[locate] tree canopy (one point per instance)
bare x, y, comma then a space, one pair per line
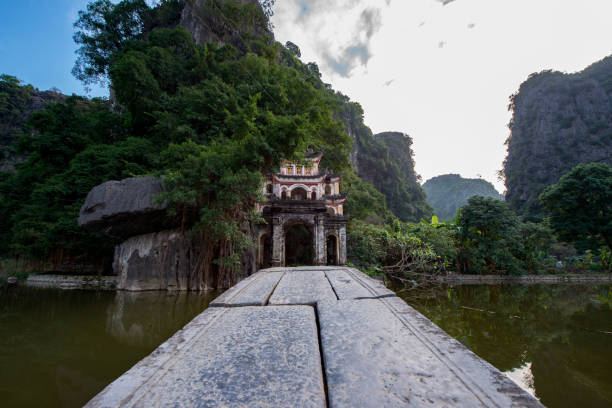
580, 205
489, 238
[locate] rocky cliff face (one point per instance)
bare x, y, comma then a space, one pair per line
386, 161
224, 21
559, 120
449, 192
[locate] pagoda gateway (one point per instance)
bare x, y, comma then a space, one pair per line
303, 210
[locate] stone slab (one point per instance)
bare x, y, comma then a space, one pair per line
256, 293
302, 288
246, 357
227, 296
375, 287
373, 359
475, 371
345, 286
125, 390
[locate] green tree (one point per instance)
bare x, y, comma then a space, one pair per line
489, 238
104, 28
580, 206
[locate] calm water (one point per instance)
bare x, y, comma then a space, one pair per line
555, 340
60, 348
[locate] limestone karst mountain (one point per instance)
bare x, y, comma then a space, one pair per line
559, 120
449, 192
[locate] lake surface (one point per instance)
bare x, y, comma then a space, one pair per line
60, 348
554, 340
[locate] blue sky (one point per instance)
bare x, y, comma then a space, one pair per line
36, 43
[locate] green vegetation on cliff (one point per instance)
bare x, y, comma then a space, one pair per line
558, 121
17, 103
209, 117
386, 161
447, 193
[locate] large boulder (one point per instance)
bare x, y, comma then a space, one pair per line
125, 208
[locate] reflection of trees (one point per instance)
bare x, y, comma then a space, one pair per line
556, 327
66, 345
149, 318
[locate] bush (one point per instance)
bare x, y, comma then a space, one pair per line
382, 249
441, 238
489, 238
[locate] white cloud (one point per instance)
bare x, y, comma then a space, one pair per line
452, 101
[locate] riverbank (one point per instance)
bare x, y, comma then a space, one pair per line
93, 282
86, 282
524, 279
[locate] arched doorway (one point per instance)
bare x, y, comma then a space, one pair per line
332, 249
299, 248
265, 251
299, 194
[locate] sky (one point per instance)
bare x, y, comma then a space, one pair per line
441, 71
36, 43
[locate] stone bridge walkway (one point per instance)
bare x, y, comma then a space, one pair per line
312, 337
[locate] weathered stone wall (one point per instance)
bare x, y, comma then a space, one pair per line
163, 260
168, 260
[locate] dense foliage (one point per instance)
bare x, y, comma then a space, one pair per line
558, 121
17, 102
488, 237
449, 192
580, 206
378, 249
492, 240
74, 146
104, 28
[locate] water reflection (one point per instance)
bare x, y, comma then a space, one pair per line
555, 339
142, 318
59, 348
523, 377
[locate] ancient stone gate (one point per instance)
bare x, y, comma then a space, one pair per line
301, 196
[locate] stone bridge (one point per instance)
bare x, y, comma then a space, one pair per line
312, 337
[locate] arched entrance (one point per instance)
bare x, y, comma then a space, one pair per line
265, 251
299, 194
332, 249
299, 248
